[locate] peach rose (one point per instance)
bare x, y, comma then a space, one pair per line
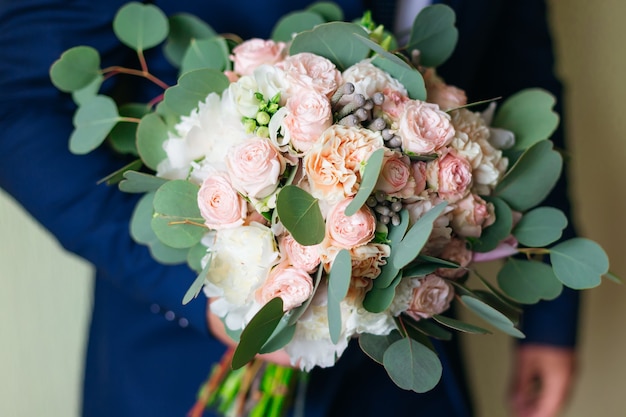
333, 165
349, 231
367, 259
424, 128
255, 52
309, 114
255, 167
220, 205
455, 251
444, 95
470, 215
449, 175
432, 296
307, 70
396, 177
302, 257
294, 286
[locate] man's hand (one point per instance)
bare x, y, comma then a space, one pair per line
216, 327
542, 379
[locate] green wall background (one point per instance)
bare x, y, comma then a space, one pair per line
45, 292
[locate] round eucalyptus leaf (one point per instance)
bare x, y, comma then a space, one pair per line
323, 41
151, 133
140, 26
293, 23
328, 10
434, 35
410, 78
375, 346
124, 134
300, 213
206, 53
194, 87
77, 68
93, 121
528, 281
140, 182
184, 28
86, 93
579, 263
540, 227
412, 366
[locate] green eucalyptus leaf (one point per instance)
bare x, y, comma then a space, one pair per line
195, 254
388, 271
503, 302
323, 41
412, 366
206, 53
459, 325
540, 227
428, 328
293, 23
434, 35
491, 236
378, 300
396, 233
370, 176
151, 133
375, 346
196, 285
528, 281
529, 115
409, 77
512, 312
387, 275
140, 26
532, 177
416, 237
328, 10
257, 332
194, 87
140, 182
184, 28
579, 263
300, 213
76, 69
338, 285
177, 221
123, 137
93, 121
282, 335
118, 175
86, 93
141, 231
491, 316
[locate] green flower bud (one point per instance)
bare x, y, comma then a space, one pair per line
263, 118
249, 125
263, 132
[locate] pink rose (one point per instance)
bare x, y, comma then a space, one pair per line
418, 169
438, 92
309, 114
455, 251
255, 167
395, 177
394, 103
220, 205
333, 165
424, 128
450, 175
470, 215
302, 257
255, 52
349, 231
294, 286
232, 76
307, 70
432, 296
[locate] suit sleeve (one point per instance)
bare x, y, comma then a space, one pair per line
60, 189
513, 50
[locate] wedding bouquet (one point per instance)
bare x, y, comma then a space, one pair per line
327, 184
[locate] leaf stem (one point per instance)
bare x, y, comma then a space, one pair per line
534, 251
129, 119
187, 221
114, 70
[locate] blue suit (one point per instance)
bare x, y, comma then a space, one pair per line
147, 352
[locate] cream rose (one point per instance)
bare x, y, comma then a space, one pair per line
293, 285
242, 93
254, 52
449, 175
432, 296
369, 79
349, 231
309, 114
424, 128
220, 205
471, 215
307, 70
302, 257
368, 259
255, 167
333, 165
455, 251
396, 177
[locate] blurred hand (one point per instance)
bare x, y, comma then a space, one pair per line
216, 327
542, 379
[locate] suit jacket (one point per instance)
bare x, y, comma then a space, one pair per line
148, 353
